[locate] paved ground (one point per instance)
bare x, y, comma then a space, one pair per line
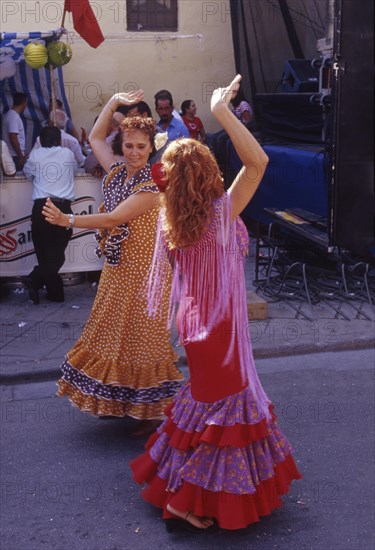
66, 483
65, 477
34, 339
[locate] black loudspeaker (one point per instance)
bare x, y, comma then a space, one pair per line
289, 118
352, 146
300, 77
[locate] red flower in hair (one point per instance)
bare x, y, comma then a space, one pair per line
158, 176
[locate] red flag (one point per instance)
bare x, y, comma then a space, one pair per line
84, 21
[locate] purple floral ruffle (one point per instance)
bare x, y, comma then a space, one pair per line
225, 469
190, 415
237, 470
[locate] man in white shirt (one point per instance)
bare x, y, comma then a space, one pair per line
66, 139
51, 168
14, 131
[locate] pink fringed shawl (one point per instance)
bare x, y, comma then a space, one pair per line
209, 286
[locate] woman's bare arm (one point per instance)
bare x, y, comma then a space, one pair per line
253, 157
127, 210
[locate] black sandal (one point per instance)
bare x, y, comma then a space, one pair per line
177, 524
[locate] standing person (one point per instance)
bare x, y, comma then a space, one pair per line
168, 122
167, 93
14, 131
51, 169
123, 363
192, 122
220, 455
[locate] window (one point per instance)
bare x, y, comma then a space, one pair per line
151, 15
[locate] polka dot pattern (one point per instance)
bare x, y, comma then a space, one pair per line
123, 364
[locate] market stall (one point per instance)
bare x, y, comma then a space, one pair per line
17, 257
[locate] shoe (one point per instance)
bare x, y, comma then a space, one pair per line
145, 427
177, 524
33, 293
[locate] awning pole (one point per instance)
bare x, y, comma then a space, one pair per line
53, 95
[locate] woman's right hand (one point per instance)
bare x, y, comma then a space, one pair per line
222, 96
125, 98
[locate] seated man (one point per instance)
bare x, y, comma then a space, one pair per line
66, 139
69, 127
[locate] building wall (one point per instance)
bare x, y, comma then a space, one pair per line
190, 63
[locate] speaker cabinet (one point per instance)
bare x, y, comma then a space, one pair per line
352, 143
300, 77
289, 118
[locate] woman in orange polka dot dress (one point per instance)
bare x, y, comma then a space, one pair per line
123, 364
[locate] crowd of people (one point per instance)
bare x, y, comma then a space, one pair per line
182, 123
216, 454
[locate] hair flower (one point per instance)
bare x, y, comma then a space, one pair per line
158, 176
160, 140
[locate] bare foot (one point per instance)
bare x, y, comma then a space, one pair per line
199, 522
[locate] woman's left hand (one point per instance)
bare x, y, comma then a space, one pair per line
53, 215
222, 96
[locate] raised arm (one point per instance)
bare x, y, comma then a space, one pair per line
253, 157
100, 148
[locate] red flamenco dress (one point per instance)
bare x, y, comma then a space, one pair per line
220, 452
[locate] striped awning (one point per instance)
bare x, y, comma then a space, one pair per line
36, 83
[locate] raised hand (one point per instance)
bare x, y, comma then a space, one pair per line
126, 98
222, 96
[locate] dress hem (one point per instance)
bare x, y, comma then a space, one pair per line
231, 511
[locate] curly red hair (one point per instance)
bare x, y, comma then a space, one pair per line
131, 124
193, 182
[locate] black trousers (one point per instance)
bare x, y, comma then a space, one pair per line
50, 242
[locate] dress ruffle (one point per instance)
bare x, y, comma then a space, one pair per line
103, 407
217, 459
164, 389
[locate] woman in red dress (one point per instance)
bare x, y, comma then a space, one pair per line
220, 455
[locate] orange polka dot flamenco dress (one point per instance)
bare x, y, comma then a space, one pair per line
123, 364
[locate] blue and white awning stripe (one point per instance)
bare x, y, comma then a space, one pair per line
35, 83
13, 43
